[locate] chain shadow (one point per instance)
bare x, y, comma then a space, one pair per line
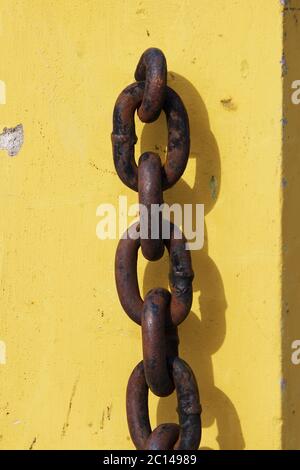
202, 333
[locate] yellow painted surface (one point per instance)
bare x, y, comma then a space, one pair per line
69, 346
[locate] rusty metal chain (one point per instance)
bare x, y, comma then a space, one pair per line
159, 314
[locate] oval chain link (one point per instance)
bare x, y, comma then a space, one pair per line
159, 314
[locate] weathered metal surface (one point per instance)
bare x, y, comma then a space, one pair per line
124, 137
155, 336
164, 437
150, 198
189, 408
152, 68
180, 276
137, 407
189, 411
162, 311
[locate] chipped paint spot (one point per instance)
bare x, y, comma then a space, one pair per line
229, 104
12, 140
284, 182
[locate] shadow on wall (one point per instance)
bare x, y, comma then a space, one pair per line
200, 335
290, 230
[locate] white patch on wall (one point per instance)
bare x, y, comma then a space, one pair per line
12, 139
2, 92
2, 352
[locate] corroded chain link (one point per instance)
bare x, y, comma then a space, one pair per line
161, 311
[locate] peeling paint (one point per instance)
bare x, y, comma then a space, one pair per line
12, 139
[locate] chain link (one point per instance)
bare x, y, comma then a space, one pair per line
159, 314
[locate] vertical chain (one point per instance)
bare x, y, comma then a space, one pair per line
162, 370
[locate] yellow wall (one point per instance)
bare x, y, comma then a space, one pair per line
70, 347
